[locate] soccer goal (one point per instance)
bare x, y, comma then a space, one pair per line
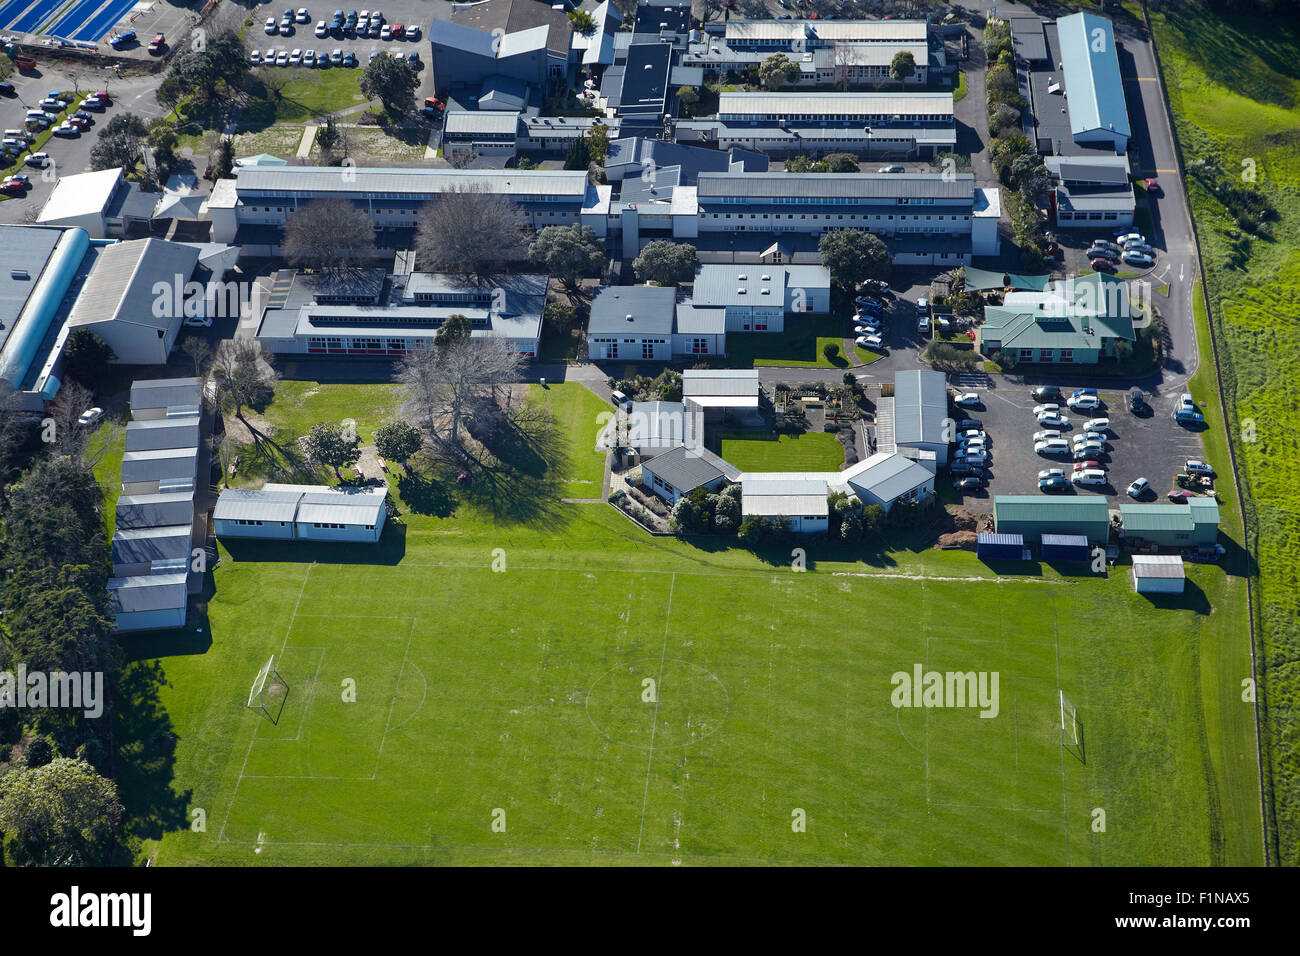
1071, 728
269, 692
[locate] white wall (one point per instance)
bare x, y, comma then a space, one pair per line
279, 530
359, 533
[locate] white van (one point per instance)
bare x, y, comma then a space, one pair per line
621, 400
1097, 425
1089, 476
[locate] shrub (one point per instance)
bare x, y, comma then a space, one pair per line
831, 351
39, 752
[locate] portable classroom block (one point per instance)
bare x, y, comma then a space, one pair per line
1158, 574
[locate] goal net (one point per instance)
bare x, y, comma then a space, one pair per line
268, 692
1071, 727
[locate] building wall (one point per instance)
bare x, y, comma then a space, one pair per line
1116, 141
1097, 532
150, 620
227, 528
750, 318
307, 531
665, 490
699, 344
630, 348
1156, 585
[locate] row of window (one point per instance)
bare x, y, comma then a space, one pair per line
1084, 217
872, 118
336, 526
818, 201
753, 216
1046, 355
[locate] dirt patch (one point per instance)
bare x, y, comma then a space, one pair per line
238, 431
964, 540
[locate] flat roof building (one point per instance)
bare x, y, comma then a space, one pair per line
302, 512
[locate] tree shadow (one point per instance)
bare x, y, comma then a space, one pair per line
426, 496
145, 754
519, 474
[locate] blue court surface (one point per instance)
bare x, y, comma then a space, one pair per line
86, 20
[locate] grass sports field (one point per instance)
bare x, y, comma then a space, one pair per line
1234, 85
474, 691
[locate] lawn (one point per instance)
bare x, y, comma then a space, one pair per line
799, 345
498, 660
1234, 85
959, 87
811, 451
299, 404
307, 94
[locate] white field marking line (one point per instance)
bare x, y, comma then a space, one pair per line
393, 703
363, 617
927, 726
1065, 806
939, 577
976, 806
1003, 398
654, 726
221, 835
423, 697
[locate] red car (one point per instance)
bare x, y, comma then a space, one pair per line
1080, 465
79, 121
433, 103
157, 43
11, 188
399, 30
1153, 187
104, 97
1103, 265
1179, 497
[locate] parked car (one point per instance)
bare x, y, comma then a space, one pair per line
1052, 446
1153, 187
1084, 391
413, 60
255, 57
282, 58
308, 57
1106, 244
1089, 436
321, 29
399, 31
968, 400
90, 416
1102, 252
11, 187
1138, 259
336, 57
869, 300
1100, 425
271, 28
295, 57
1046, 407
1053, 420
922, 324
1138, 488
1081, 464
1185, 400
1195, 466
1102, 265
156, 44
970, 424
1188, 416
874, 342
972, 433
39, 160
303, 15
1135, 400
67, 131
1051, 473
969, 483
892, 168
385, 32
876, 287
413, 32
866, 329
53, 105
1044, 393
1045, 434
1089, 476
122, 39
1125, 238
1180, 497
1088, 451
1056, 483
923, 306
621, 400
21, 178
349, 59
1083, 403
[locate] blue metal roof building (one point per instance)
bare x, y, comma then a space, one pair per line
1094, 87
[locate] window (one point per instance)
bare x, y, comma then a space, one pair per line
647, 350
611, 350
1067, 355
366, 343
1026, 355
699, 346
1044, 355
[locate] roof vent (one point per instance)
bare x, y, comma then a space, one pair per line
766, 278
740, 291
19, 274
742, 276
765, 292
628, 316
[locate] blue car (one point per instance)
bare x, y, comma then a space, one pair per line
1084, 391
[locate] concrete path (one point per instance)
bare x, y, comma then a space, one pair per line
308, 140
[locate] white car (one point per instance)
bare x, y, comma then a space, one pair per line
309, 58
1053, 420
40, 160
282, 58
866, 329
892, 168
413, 32
90, 416
1089, 476
1082, 403
1138, 488
1089, 449
295, 57
1138, 259
1125, 239
1052, 446
967, 400
1046, 433
303, 15
1097, 425
198, 321
363, 16
1097, 437
321, 29
385, 32
1185, 400
922, 306
271, 28
866, 318
268, 58
1197, 467
870, 342
1044, 409
255, 56
973, 433
1051, 473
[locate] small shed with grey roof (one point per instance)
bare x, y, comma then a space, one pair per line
151, 398
150, 472
920, 411
137, 551
148, 602
302, 512
163, 433
1158, 574
156, 510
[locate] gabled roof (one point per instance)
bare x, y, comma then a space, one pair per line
1093, 84
1158, 566
1043, 509
920, 407
120, 287
685, 470
147, 592
644, 309
81, 194
166, 392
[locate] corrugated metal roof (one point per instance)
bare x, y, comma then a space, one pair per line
761, 486
886, 477
797, 103
120, 287
1041, 508
920, 407
289, 181
988, 537
149, 592
844, 31
836, 186
249, 504
684, 470
1158, 566
1093, 83
149, 511
651, 307
481, 121
784, 506
140, 545
741, 383
158, 464
1066, 540
168, 432
166, 392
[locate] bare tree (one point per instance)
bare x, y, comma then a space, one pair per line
328, 234
467, 381
70, 437
471, 231
244, 377
199, 351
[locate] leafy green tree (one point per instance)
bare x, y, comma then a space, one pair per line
455, 329
582, 21
569, 253
665, 263
778, 71
853, 255
598, 143
61, 814
398, 441
329, 443
39, 752
86, 357
726, 516
842, 163
831, 351
392, 81
903, 67
579, 154
689, 98
223, 163
558, 315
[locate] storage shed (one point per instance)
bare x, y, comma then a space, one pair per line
1036, 515
1158, 574
163, 433
154, 511
1066, 547
1001, 547
148, 602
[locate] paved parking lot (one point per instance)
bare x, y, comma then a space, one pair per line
1150, 445
304, 37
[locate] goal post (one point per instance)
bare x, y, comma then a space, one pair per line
268, 692
1071, 727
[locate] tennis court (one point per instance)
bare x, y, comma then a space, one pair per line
85, 20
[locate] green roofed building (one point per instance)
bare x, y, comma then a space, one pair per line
1035, 515
1076, 322
1194, 524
